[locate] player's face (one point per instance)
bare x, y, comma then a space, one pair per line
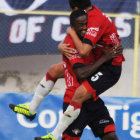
81, 25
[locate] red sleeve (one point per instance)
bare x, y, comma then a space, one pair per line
76, 58
94, 29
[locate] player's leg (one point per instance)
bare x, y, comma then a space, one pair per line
83, 93
45, 86
73, 132
103, 79
110, 136
72, 112
96, 84
91, 114
96, 115
102, 124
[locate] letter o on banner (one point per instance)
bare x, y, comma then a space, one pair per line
51, 117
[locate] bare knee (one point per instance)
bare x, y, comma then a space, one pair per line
56, 70
81, 94
110, 136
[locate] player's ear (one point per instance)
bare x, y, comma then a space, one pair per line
75, 8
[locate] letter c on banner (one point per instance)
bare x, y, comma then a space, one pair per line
23, 121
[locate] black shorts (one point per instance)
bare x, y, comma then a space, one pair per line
93, 114
104, 78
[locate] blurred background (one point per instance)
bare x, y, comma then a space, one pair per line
30, 31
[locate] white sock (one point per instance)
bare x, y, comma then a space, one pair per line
67, 118
41, 91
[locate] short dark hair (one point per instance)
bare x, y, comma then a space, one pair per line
81, 4
75, 14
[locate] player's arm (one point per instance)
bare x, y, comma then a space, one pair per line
65, 49
82, 48
85, 71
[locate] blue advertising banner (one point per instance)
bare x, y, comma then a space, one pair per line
125, 112
41, 34
31, 34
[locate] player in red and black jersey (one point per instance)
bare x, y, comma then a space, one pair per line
87, 115
100, 30
95, 105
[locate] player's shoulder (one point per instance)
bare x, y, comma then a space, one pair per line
68, 37
95, 17
96, 13
68, 40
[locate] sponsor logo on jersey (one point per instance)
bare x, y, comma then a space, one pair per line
92, 31
64, 64
75, 55
114, 39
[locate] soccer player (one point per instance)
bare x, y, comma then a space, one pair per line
72, 66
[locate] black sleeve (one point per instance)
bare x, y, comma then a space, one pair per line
87, 41
78, 65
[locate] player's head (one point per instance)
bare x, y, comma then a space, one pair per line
81, 4
78, 21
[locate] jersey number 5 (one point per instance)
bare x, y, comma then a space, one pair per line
96, 77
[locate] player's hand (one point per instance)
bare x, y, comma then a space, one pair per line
117, 50
113, 52
66, 50
70, 30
